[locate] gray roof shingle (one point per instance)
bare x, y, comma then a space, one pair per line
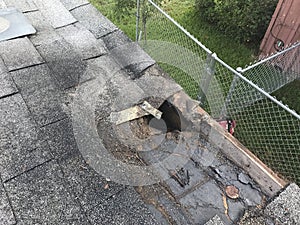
64, 62
55, 12
72, 4
40, 197
19, 53
16, 161
17, 121
286, 207
22, 5
39, 93
83, 41
38, 21
6, 213
93, 20
7, 86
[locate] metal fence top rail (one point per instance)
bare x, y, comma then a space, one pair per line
297, 44
237, 73
181, 27
258, 88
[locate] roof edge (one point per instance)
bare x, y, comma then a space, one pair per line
268, 180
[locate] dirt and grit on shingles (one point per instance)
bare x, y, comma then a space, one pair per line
35, 188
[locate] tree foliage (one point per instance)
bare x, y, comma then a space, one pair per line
245, 20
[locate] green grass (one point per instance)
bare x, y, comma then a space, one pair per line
183, 11
290, 95
233, 53
189, 85
273, 135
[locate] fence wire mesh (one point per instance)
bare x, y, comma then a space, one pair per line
267, 129
264, 125
275, 71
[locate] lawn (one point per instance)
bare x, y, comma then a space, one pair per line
183, 11
273, 135
233, 53
290, 95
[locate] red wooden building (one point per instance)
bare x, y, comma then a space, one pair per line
283, 28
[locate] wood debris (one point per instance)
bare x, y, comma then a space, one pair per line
106, 186
225, 206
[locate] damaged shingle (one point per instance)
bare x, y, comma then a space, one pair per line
187, 179
122, 208
164, 87
132, 58
116, 39
207, 201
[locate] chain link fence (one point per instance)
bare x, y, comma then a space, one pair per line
275, 71
265, 125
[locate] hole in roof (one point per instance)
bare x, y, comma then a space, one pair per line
171, 116
143, 135
171, 121
4, 24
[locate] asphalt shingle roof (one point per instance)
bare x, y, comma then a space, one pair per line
45, 178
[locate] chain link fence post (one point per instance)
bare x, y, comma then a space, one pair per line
234, 83
138, 6
208, 73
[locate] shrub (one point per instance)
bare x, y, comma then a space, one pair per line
245, 20
123, 8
